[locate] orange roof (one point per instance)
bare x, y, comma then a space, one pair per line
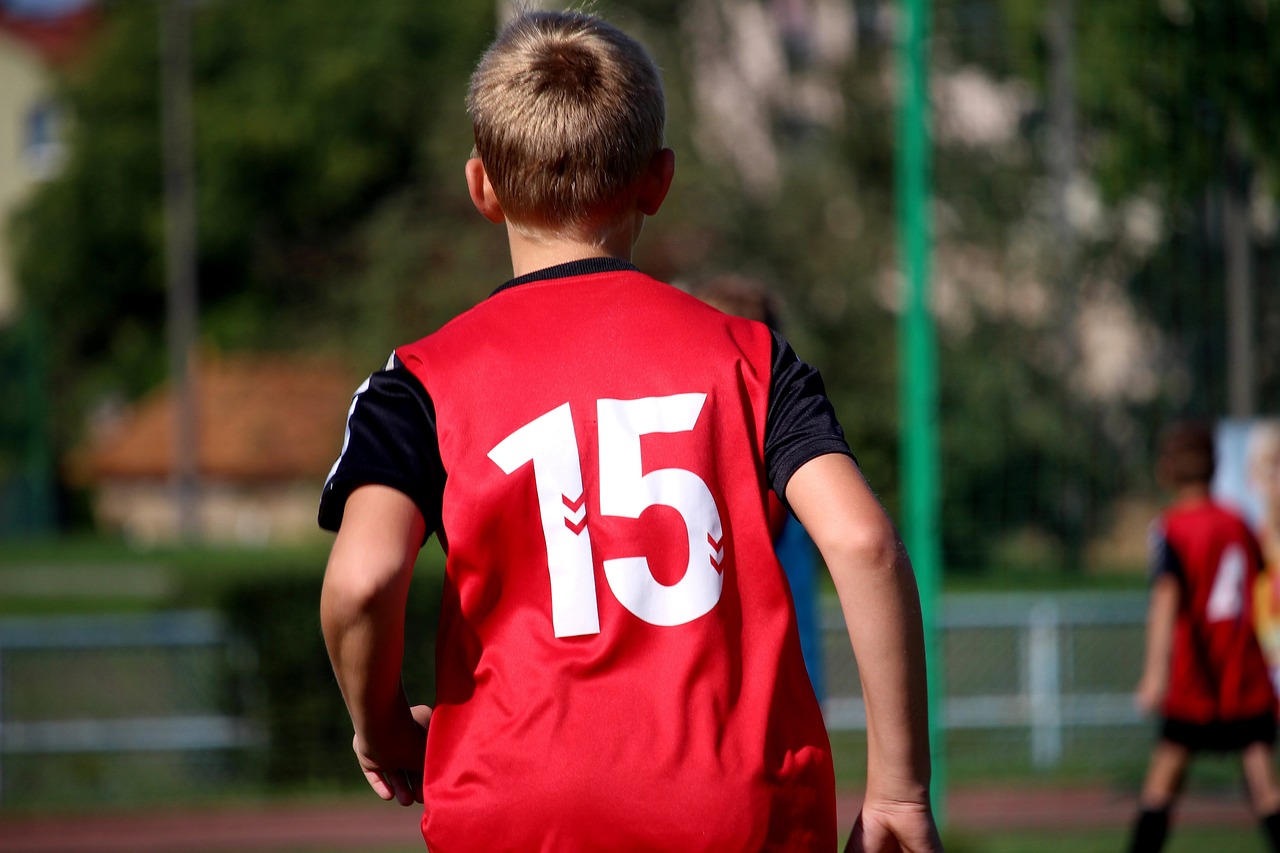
57, 39
260, 418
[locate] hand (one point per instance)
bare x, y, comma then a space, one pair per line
394, 769
1149, 694
894, 828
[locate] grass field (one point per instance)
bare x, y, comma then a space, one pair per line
1188, 840
97, 574
102, 575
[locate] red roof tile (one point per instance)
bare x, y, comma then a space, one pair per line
260, 418
57, 40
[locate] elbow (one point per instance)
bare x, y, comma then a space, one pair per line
354, 590
874, 547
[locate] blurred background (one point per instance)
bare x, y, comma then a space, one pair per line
220, 215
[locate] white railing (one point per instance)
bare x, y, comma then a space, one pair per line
1042, 682
180, 732
1043, 663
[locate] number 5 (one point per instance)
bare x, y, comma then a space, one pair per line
627, 492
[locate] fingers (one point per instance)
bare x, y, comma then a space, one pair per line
406, 793
378, 784
404, 785
421, 714
398, 785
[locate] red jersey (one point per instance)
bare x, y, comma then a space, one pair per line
618, 664
1217, 671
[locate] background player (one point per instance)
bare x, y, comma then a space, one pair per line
617, 664
1204, 671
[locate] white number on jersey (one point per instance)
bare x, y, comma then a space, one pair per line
551, 444
1226, 597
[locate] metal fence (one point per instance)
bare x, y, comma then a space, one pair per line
84, 691
1038, 681
1031, 677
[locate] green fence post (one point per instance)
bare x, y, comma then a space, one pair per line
917, 361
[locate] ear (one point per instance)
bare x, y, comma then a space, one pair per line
482, 194
656, 182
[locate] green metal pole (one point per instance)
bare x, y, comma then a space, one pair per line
917, 361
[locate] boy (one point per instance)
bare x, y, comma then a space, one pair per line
618, 666
1204, 671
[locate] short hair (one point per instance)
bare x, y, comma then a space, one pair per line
1187, 454
568, 112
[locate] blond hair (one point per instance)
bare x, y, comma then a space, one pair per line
568, 113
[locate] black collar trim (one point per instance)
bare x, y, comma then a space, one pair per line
586, 266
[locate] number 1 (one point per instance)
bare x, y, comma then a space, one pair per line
551, 444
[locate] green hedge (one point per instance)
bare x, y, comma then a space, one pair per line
296, 700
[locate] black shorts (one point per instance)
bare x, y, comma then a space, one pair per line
1220, 735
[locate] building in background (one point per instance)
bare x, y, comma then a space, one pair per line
35, 39
268, 436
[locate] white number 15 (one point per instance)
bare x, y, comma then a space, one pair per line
551, 444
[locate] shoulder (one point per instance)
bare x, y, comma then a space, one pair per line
1230, 520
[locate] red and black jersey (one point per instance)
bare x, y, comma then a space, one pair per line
1217, 671
618, 665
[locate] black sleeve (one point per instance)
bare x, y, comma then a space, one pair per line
390, 441
800, 424
1162, 559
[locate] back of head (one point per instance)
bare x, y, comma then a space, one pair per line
568, 112
1187, 455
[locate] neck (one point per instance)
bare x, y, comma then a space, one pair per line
1191, 493
533, 252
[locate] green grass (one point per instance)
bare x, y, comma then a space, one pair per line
91, 574
1181, 840
98, 574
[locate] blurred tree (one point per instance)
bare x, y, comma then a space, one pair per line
1029, 451
1020, 448
322, 130
1182, 135
330, 140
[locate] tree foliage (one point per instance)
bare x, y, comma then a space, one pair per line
330, 139
1177, 107
319, 128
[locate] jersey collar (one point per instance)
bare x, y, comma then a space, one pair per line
586, 266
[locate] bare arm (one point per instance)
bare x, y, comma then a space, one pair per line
877, 591
1162, 612
366, 585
